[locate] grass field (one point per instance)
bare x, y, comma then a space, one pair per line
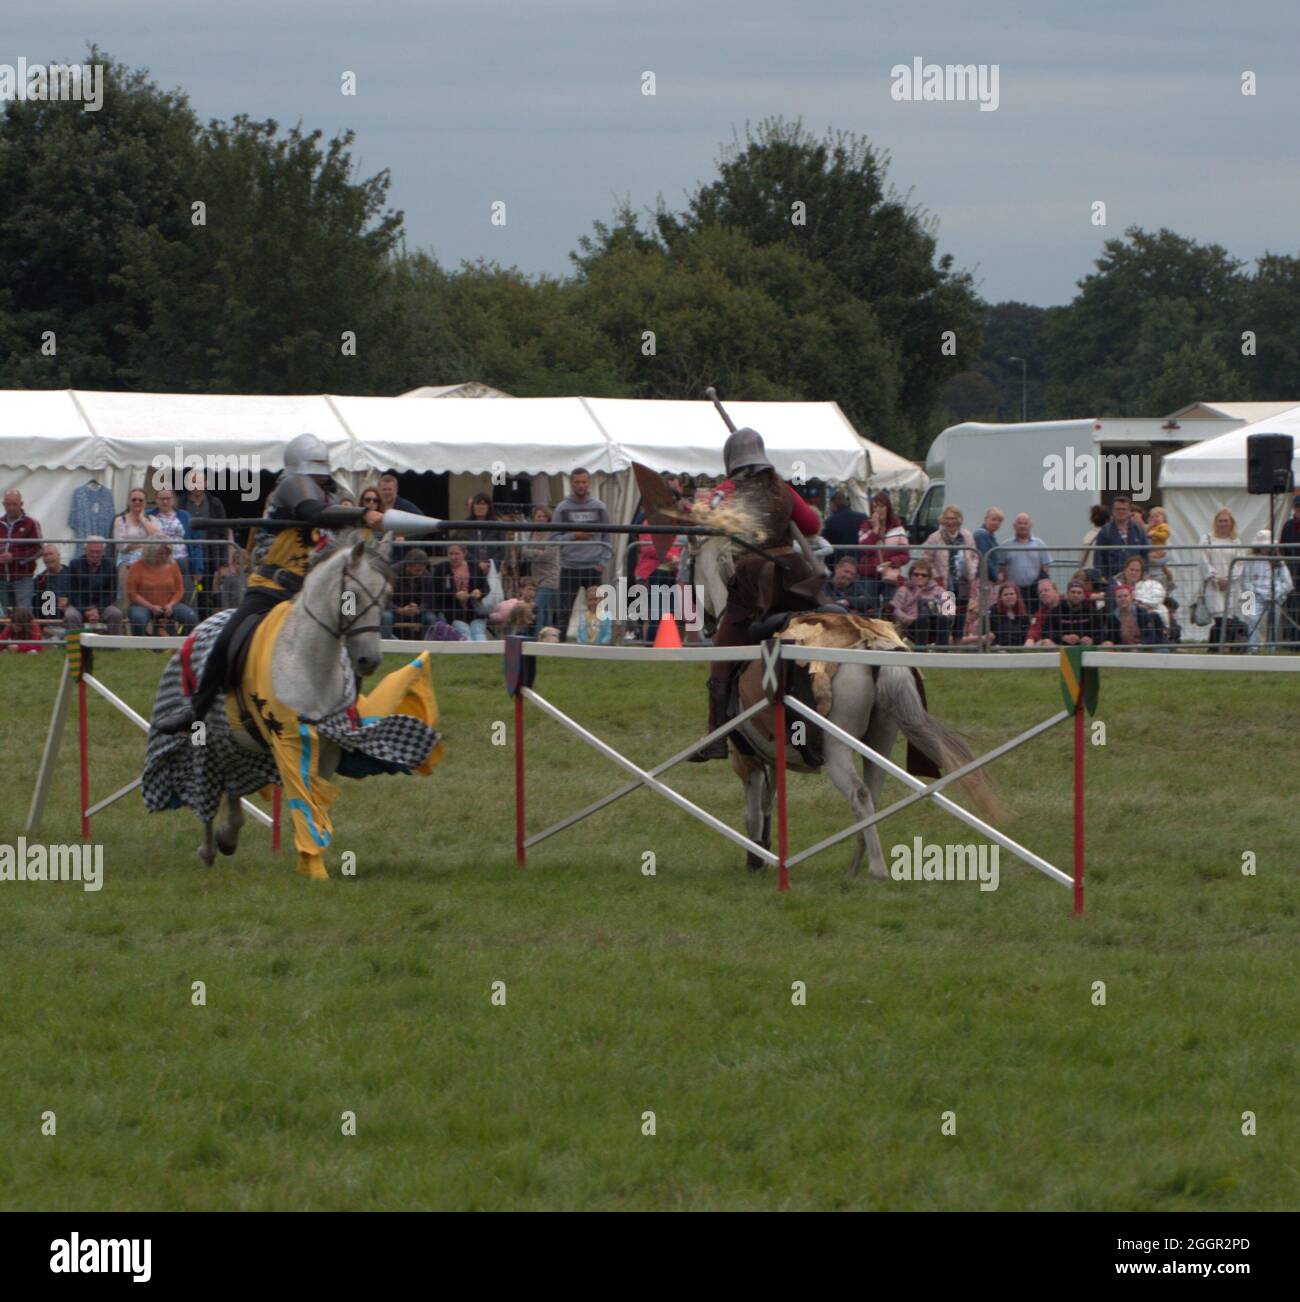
671, 993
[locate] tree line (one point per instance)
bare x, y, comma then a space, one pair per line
141, 249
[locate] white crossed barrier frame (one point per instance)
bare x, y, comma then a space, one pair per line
774, 655
74, 674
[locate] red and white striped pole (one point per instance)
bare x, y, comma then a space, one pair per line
1078, 807
520, 853
782, 843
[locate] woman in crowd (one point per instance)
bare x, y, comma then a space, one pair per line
544, 568
370, 500
1008, 620
459, 590
1220, 579
155, 590
132, 526
882, 564
956, 566
23, 634
174, 524
1134, 571
480, 508
918, 607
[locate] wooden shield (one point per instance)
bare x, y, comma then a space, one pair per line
659, 506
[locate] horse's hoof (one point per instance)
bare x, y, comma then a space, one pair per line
206, 855
227, 846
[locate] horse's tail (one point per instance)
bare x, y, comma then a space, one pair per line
897, 691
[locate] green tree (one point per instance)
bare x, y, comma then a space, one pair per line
293, 253
525, 335
75, 188
1192, 372
828, 199
970, 395
1272, 312
761, 323
1014, 330
100, 244
1097, 364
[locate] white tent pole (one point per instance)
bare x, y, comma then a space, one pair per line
348, 433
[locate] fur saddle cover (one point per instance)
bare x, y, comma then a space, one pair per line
392, 729
823, 629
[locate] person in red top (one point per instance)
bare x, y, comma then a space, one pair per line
23, 633
656, 576
17, 559
781, 580
882, 565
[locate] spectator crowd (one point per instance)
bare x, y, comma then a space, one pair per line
985, 588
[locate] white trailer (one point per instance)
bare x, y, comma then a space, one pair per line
1053, 470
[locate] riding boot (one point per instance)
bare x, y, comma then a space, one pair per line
719, 690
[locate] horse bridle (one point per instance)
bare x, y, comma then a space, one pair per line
351, 629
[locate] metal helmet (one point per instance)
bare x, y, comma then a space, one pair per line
307, 455
744, 450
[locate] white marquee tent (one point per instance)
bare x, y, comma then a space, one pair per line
52, 441
1197, 481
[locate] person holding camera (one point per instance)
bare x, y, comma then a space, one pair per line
921, 608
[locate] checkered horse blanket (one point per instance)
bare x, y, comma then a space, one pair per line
389, 730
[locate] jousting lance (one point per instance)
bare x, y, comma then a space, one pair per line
408, 523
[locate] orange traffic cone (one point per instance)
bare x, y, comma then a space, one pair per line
667, 634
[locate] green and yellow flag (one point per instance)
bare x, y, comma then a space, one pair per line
1078, 685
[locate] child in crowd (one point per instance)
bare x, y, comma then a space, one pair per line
594, 624
23, 635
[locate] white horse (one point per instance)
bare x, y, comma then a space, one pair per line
340, 605
873, 707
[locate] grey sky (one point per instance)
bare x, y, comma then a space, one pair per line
539, 104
